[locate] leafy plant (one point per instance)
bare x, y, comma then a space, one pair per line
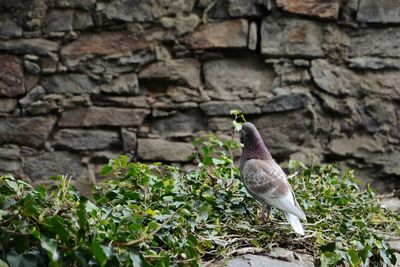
160, 215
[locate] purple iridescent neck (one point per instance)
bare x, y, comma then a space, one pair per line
254, 147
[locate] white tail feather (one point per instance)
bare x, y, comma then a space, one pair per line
295, 223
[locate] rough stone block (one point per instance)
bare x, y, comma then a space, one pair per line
182, 71
68, 84
179, 124
162, 150
129, 140
77, 139
285, 103
26, 131
291, 37
58, 21
29, 46
8, 105
226, 34
214, 108
40, 167
319, 8
126, 84
82, 4
11, 76
121, 101
238, 78
8, 28
99, 116
379, 11
239, 8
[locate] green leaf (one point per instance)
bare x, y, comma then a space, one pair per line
353, 258
50, 246
135, 258
106, 170
3, 264
99, 253
236, 112
15, 259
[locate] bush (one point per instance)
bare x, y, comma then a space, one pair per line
160, 215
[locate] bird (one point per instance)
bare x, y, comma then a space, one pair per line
265, 180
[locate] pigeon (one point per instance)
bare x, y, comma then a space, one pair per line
264, 179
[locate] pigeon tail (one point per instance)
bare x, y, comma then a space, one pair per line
295, 223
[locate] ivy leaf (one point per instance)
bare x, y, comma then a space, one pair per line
106, 170
99, 253
51, 247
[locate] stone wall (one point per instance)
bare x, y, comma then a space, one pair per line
85, 80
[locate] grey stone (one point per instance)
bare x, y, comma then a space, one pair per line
385, 84
392, 204
253, 38
374, 63
288, 73
182, 24
74, 101
126, 84
134, 10
239, 8
82, 4
248, 260
77, 139
122, 101
29, 46
179, 124
8, 28
40, 167
285, 103
11, 76
8, 105
216, 124
129, 139
284, 132
282, 254
291, 37
375, 42
41, 107
379, 11
26, 131
35, 94
182, 71
226, 34
10, 152
10, 159
238, 78
357, 146
162, 150
334, 79
99, 116
31, 67
214, 108
337, 105
68, 83
82, 20
58, 21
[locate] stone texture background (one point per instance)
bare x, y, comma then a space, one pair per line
85, 80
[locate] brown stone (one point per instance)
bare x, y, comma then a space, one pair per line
162, 150
291, 37
226, 34
104, 43
99, 116
319, 8
26, 131
182, 71
11, 76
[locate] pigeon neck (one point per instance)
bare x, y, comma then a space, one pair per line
254, 147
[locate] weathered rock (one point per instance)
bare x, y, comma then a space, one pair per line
378, 11
216, 124
334, 79
82, 20
374, 63
99, 116
11, 76
253, 36
285, 103
239, 8
68, 84
121, 101
248, 260
282, 254
8, 105
157, 149
289, 73
86, 139
375, 42
126, 84
82, 4
392, 204
31, 67
129, 139
8, 28
236, 78
385, 84
291, 37
104, 43
10, 160
35, 94
134, 10
284, 132
29, 46
319, 8
337, 105
58, 21
26, 131
40, 167
182, 71
213, 108
226, 34
181, 24
42, 107
184, 94
179, 124
357, 146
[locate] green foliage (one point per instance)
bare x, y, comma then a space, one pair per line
160, 215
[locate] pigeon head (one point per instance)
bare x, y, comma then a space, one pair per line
254, 147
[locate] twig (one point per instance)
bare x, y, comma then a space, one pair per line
151, 234
242, 251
